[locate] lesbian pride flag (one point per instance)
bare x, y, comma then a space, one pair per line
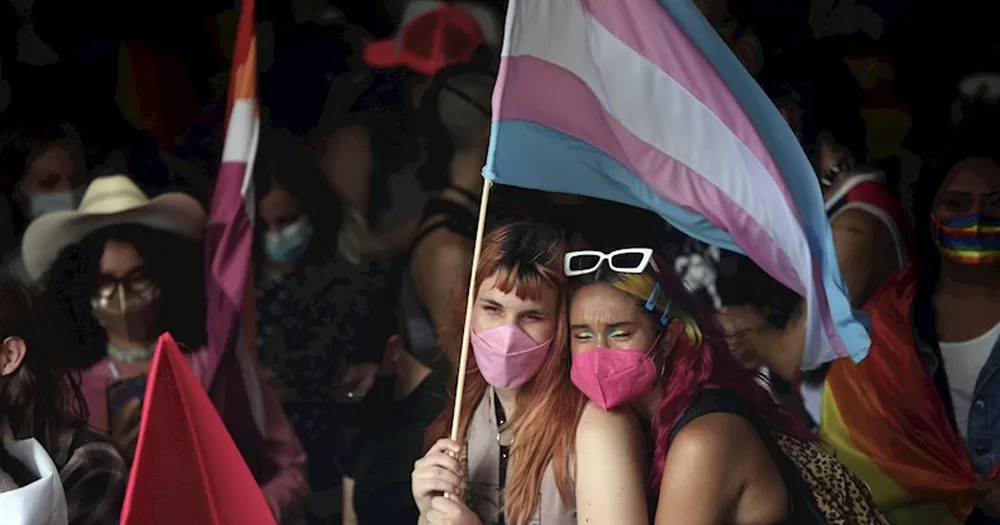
641, 102
229, 234
235, 388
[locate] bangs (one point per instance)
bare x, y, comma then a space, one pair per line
525, 281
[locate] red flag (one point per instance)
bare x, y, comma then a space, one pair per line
187, 470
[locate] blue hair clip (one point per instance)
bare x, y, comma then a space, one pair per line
666, 312
651, 301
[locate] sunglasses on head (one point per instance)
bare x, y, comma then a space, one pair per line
625, 260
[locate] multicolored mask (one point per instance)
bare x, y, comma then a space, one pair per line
970, 239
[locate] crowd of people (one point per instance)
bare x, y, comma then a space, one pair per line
618, 371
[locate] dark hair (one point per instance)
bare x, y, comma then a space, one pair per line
978, 140
42, 397
174, 262
457, 105
283, 160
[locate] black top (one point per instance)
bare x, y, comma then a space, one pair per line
385, 450
803, 506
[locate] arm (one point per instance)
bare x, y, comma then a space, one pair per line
94, 481
347, 165
286, 492
708, 472
436, 271
610, 473
395, 239
349, 518
860, 239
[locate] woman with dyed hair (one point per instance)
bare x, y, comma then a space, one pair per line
640, 339
531, 450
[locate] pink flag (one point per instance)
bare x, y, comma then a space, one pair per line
187, 470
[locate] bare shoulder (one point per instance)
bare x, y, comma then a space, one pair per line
858, 221
714, 442
599, 428
353, 133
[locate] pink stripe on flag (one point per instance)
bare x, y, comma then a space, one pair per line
591, 123
228, 242
648, 29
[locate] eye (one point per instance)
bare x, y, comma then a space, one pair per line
583, 336
491, 308
534, 317
620, 334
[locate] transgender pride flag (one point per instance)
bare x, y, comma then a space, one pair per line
641, 102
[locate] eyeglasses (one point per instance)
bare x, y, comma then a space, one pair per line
625, 260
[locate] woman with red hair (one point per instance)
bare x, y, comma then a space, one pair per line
640, 339
531, 449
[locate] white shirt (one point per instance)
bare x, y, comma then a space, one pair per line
962, 363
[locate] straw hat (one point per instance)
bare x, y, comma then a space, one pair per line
108, 201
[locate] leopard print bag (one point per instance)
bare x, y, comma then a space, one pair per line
840, 496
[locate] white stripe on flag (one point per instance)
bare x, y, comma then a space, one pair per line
644, 99
241, 145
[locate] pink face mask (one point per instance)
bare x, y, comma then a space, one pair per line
610, 377
507, 357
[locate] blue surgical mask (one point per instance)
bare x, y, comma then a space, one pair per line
44, 203
290, 243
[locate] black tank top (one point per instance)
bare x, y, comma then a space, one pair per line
801, 501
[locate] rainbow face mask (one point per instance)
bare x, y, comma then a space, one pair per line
970, 239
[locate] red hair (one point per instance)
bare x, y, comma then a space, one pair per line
524, 258
699, 360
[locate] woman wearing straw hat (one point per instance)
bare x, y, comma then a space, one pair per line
118, 272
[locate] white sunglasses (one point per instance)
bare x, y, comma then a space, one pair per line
625, 260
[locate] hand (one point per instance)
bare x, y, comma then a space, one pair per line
437, 473
988, 497
448, 510
356, 382
125, 428
737, 322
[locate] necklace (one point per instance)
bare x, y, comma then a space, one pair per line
131, 355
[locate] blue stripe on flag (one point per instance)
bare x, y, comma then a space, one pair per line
521, 150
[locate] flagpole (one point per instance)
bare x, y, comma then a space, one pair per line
463, 359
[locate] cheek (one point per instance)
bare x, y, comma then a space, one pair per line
482, 320
539, 332
578, 347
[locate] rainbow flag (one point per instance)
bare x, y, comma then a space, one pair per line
886, 421
641, 102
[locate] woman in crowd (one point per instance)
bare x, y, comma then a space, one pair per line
917, 418
531, 449
318, 313
118, 272
46, 167
40, 399
640, 339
